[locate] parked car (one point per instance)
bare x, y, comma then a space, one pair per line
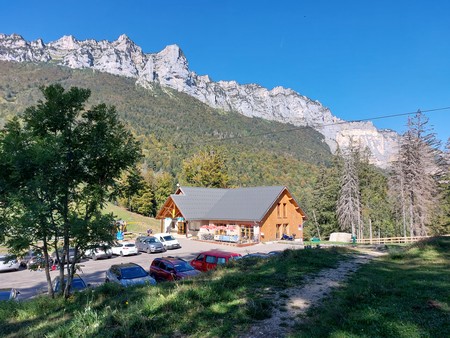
124, 249
9, 263
149, 244
209, 260
78, 284
171, 268
128, 274
38, 261
8, 294
34, 259
25, 258
102, 251
275, 253
168, 240
72, 257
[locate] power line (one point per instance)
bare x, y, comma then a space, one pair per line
324, 125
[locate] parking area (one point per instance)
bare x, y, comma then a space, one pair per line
31, 283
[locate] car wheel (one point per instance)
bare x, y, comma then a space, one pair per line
94, 257
121, 253
109, 256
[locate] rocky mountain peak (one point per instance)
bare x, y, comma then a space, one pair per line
67, 42
169, 68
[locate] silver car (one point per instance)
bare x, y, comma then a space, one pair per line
102, 251
9, 263
149, 244
128, 274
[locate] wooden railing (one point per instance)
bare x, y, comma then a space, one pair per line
385, 240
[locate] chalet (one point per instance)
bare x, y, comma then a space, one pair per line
241, 215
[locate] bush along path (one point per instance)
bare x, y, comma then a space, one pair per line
292, 303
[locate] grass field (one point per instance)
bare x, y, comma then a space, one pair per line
135, 222
218, 304
407, 294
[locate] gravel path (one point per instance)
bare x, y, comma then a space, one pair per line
300, 299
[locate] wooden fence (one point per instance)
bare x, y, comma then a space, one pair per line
385, 240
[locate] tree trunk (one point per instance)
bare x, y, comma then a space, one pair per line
47, 269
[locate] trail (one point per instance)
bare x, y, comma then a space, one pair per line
315, 288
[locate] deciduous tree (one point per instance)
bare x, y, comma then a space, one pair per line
57, 165
205, 169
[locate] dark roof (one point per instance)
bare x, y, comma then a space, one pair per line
239, 204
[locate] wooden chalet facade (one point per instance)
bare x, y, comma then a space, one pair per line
240, 215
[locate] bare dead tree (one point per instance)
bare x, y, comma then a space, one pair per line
414, 175
349, 204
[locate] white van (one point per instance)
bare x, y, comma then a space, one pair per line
168, 240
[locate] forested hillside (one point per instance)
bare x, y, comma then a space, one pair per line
173, 126
185, 141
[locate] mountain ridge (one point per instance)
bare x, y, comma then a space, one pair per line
169, 68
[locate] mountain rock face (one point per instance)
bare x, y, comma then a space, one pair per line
169, 68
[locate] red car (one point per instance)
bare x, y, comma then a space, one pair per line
171, 268
208, 260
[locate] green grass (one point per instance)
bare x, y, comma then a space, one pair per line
135, 222
406, 294
221, 303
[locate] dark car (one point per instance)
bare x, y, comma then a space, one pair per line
72, 257
127, 274
171, 268
209, 260
149, 244
78, 284
8, 294
38, 262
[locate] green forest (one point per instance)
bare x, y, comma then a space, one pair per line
187, 142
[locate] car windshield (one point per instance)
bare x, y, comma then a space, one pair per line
152, 240
129, 245
183, 267
4, 295
133, 272
169, 238
6, 259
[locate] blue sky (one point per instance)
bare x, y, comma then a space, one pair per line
361, 59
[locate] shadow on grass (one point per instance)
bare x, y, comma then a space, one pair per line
405, 296
217, 303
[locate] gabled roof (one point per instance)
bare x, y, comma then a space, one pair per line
239, 204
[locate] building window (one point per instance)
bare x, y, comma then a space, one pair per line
278, 210
286, 229
278, 231
284, 211
247, 233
